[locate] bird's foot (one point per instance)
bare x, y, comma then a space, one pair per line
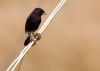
35, 38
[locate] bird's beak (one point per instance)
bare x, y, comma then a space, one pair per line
45, 13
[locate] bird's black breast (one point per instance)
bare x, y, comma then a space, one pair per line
32, 23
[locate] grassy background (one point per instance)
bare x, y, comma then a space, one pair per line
70, 43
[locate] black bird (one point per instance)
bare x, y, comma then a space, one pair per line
32, 23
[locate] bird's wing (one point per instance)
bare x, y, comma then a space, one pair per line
32, 22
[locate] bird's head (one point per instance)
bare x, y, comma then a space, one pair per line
39, 11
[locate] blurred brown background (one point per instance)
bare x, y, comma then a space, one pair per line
70, 43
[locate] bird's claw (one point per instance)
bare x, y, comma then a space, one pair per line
35, 38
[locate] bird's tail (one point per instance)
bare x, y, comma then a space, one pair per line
27, 41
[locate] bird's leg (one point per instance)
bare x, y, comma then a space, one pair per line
31, 36
37, 36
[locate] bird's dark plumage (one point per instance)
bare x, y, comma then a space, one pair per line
33, 22
27, 41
